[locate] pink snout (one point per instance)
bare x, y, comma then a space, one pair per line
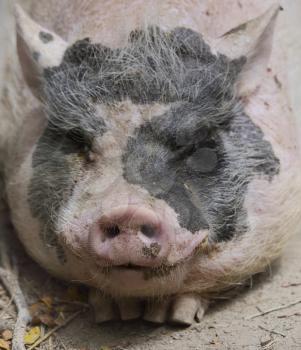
131, 235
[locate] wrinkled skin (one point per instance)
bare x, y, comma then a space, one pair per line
147, 163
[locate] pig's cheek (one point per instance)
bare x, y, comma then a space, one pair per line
273, 213
74, 231
84, 207
29, 228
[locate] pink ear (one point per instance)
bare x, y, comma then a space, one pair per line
253, 40
38, 48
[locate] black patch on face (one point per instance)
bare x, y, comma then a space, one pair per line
58, 163
45, 37
204, 181
36, 56
152, 251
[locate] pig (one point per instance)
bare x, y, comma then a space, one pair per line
148, 149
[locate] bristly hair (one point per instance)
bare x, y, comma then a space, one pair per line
155, 66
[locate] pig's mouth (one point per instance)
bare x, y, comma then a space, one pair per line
131, 267
165, 266
136, 280
139, 268
147, 271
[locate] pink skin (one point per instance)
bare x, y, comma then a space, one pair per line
116, 238
127, 244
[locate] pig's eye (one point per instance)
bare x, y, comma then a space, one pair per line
81, 144
203, 160
78, 138
188, 137
200, 155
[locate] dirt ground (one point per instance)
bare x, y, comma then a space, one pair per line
227, 324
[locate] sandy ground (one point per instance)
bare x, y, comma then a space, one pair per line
227, 324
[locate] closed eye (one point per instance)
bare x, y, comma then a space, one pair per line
75, 141
203, 160
78, 137
190, 137
182, 152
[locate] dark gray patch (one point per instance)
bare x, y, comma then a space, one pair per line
36, 56
50, 186
210, 191
278, 82
209, 160
152, 251
45, 37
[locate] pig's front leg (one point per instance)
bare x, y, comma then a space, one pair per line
103, 307
107, 309
183, 309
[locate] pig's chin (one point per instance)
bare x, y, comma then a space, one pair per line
131, 281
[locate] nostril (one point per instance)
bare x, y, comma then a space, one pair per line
111, 231
148, 230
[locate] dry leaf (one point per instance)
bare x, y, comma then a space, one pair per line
47, 300
7, 334
37, 309
41, 313
32, 335
4, 344
48, 320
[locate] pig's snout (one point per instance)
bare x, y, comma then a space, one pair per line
131, 235
122, 221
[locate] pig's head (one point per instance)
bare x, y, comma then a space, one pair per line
146, 155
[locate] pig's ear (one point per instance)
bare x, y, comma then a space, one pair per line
37, 48
252, 40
